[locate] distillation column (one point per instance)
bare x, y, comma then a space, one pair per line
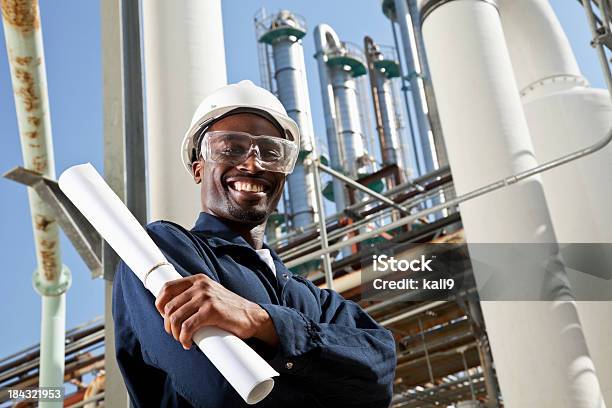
339, 63
383, 68
539, 348
325, 37
564, 114
345, 63
284, 33
349, 124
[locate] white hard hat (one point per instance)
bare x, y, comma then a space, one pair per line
244, 94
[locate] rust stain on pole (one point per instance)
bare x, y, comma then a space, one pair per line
42, 222
39, 163
49, 258
27, 90
34, 120
21, 14
23, 60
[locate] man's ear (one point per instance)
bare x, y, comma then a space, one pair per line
196, 168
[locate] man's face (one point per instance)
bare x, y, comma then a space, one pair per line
224, 190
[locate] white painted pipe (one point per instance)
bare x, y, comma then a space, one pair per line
539, 349
564, 114
52, 345
325, 37
24, 43
184, 58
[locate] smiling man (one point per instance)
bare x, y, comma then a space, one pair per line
240, 148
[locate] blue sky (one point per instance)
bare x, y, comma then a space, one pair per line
71, 30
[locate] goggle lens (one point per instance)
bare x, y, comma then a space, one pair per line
232, 148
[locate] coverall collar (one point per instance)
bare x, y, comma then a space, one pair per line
219, 234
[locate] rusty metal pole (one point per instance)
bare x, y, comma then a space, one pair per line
23, 35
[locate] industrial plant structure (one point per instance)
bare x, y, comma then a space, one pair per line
472, 105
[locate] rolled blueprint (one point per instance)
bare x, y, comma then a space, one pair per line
249, 374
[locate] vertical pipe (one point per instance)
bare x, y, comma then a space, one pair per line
387, 109
369, 49
184, 58
265, 76
430, 97
116, 394
416, 84
404, 89
540, 343
323, 34
135, 169
429, 368
52, 344
363, 106
484, 352
467, 372
24, 43
430, 132
406, 149
349, 131
564, 114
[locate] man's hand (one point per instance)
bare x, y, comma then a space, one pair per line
190, 303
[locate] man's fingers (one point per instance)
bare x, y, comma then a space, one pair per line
177, 318
204, 316
170, 290
176, 302
188, 328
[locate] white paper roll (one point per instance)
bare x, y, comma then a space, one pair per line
249, 374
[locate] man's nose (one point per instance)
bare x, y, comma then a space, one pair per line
251, 164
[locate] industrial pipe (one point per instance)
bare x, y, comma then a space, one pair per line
178, 78
415, 77
547, 356
23, 35
284, 36
563, 113
325, 37
369, 48
384, 108
349, 124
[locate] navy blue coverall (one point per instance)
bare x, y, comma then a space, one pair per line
330, 354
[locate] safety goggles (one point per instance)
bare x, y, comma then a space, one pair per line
232, 148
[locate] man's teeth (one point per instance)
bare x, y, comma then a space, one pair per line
242, 186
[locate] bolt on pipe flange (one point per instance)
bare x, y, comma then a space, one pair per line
52, 289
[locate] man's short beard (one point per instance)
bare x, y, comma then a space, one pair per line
250, 216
